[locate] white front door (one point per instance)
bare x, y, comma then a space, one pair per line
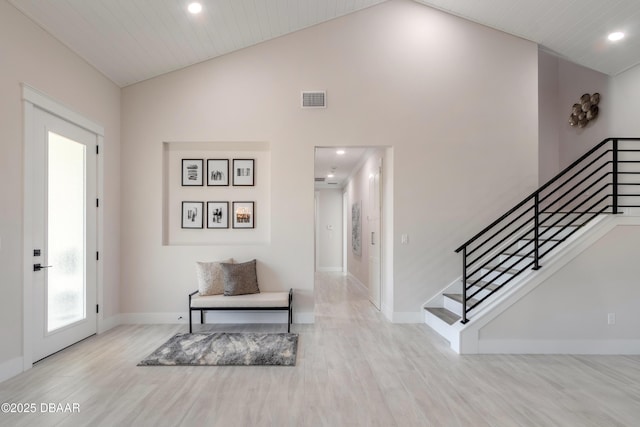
64, 234
374, 240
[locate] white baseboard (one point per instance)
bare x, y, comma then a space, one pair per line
407, 317
153, 318
329, 269
244, 316
109, 323
10, 368
608, 347
357, 282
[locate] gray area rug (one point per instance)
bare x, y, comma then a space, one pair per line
225, 348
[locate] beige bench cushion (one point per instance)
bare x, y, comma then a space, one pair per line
263, 299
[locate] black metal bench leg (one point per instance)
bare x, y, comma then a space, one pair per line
202, 317
190, 322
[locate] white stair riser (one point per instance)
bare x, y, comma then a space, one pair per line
550, 232
440, 326
453, 306
516, 262
491, 277
483, 293
525, 246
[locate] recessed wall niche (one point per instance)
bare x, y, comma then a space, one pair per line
174, 193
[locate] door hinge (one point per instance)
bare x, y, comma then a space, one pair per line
97, 203
97, 149
97, 256
97, 308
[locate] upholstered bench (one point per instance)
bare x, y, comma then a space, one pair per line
259, 301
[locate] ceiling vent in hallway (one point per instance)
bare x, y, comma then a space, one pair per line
320, 179
314, 99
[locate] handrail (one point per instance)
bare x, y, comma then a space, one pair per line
538, 191
496, 264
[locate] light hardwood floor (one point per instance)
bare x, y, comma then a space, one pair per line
353, 369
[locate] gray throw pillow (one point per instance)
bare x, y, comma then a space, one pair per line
210, 277
240, 279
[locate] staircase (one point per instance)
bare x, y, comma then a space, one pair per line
508, 255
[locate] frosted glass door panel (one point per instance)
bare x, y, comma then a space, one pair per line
66, 224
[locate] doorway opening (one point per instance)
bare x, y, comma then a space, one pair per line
353, 202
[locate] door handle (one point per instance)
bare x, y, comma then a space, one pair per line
38, 267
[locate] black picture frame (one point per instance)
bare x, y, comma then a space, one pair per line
192, 172
217, 172
244, 215
244, 172
217, 215
192, 215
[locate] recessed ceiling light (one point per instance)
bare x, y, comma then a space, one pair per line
195, 8
340, 152
614, 37
330, 175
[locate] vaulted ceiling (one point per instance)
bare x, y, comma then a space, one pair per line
133, 40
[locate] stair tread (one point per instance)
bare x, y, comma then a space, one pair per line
517, 254
443, 314
458, 297
555, 239
502, 269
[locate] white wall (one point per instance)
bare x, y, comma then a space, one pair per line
31, 56
456, 100
626, 93
329, 226
174, 193
560, 85
569, 311
575, 80
357, 189
358, 192
550, 115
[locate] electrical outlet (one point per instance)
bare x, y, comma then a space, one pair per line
404, 239
611, 318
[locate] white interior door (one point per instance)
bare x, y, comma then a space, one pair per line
374, 240
64, 234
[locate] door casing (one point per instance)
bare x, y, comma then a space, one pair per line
32, 99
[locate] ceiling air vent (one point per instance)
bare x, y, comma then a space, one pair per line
314, 99
320, 179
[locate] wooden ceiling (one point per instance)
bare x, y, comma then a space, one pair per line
133, 40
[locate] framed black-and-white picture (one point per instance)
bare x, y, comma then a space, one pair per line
192, 214
243, 215
217, 172
192, 172
243, 172
217, 214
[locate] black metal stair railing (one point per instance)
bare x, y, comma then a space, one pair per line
599, 182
